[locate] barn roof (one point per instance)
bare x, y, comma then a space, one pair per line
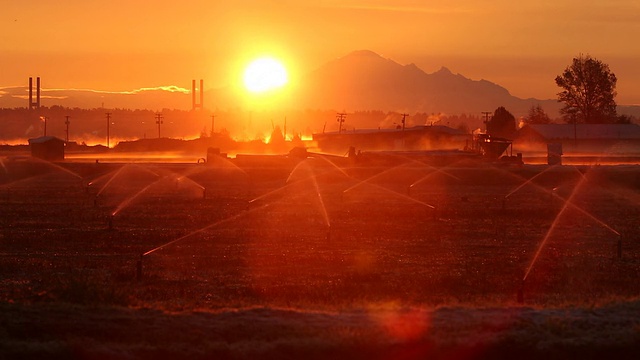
586, 131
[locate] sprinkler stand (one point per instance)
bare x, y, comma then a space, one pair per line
139, 269
620, 247
110, 222
521, 293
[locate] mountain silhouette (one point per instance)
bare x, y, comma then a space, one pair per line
364, 80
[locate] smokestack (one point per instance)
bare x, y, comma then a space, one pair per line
30, 93
195, 105
193, 94
38, 93
31, 103
201, 94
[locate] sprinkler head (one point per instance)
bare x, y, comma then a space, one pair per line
520, 295
139, 268
620, 247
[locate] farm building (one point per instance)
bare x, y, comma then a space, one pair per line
49, 148
584, 138
421, 137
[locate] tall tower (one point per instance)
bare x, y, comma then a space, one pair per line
196, 105
32, 104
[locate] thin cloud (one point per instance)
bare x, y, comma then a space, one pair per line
25, 97
407, 7
169, 88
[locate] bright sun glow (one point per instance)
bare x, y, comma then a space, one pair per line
265, 74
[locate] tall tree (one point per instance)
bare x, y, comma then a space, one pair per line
537, 115
502, 124
589, 89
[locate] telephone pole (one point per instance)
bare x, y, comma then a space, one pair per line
486, 119
67, 122
159, 121
340, 118
108, 124
404, 120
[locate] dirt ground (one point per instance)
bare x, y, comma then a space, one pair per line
319, 235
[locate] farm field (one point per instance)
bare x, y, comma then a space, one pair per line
271, 257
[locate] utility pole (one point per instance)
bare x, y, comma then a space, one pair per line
159, 118
213, 117
486, 119
45, 118
108, 123
340, 118
404, 120
67, 122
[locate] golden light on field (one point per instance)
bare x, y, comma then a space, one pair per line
265, 74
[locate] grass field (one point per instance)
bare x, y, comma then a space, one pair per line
324, 258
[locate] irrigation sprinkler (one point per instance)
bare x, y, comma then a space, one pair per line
620, 247
552, 195
329, 233
110, 222
204, 192
139, 268
521, 293
504, 204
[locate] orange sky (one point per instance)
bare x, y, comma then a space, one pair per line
124, 45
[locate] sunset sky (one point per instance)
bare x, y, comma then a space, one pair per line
120, 45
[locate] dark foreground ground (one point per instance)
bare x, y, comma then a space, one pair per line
273, 258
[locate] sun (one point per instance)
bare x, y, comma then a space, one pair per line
264, 74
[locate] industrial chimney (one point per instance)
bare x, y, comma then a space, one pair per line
196, 105
31, 103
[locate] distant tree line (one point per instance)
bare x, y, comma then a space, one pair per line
588, 93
